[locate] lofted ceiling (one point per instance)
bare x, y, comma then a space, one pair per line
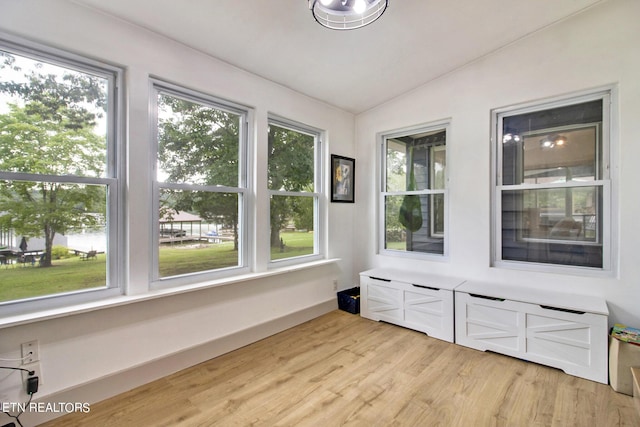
414, 42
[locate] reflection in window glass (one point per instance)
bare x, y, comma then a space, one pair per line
427, 221
569, 155
550, 214
415, 196
557, 145
553, 225
560, 213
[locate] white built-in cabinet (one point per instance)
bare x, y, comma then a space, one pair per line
419, 301
564, 331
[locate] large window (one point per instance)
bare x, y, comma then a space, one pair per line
59, 179
294, 180
553, 181
414, 191
201, 185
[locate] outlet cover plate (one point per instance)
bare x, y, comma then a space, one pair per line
30, 352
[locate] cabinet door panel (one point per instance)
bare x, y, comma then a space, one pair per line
383, 302
489, 325
425, 312
549, 346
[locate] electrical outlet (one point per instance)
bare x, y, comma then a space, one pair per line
335, 284
30, 352
37, 372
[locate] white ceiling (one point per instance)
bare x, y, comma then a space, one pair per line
414, 42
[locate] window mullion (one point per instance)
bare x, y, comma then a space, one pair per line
569, 184
200, 187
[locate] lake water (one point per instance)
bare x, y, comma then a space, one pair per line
94, 240
97, 241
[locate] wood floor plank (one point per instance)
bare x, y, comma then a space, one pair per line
343, 370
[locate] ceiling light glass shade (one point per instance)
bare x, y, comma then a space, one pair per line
347, 14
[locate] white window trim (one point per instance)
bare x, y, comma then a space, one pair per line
608, 182
115, 179
320, 205
245, 260
444, 124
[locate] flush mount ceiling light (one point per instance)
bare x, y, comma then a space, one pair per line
553, 141
347, 14
511, 137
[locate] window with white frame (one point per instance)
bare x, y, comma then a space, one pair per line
413, 198
553, 183
201, 184
59, 176
295, 186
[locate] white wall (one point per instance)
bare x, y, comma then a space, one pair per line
82, 348
598, 47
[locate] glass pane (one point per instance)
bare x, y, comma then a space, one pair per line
415, 223
416, 162
292, 226
53, 120
557, 226
291, 160
197, 143
198, 231
438, 166
556, 145
47, 232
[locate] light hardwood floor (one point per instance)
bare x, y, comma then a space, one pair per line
340, 369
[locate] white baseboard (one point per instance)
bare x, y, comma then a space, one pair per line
120, 382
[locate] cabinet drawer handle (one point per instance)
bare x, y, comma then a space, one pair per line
378, 278
486, 297
425, 287
566, 310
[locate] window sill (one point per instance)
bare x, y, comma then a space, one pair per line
22, 319
555, 269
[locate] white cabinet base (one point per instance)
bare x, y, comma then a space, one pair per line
568, 332
414, 300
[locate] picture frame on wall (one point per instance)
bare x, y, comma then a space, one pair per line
342, 179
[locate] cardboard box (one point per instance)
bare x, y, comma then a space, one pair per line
622, 357
635, 372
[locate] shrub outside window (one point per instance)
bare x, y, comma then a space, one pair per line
59, 180
553, 192
294, 183
200, 195
414, 191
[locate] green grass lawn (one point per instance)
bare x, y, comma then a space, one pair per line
295, 244
73, 274
184, 259
65, 275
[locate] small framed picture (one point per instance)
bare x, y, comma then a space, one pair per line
342, 179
